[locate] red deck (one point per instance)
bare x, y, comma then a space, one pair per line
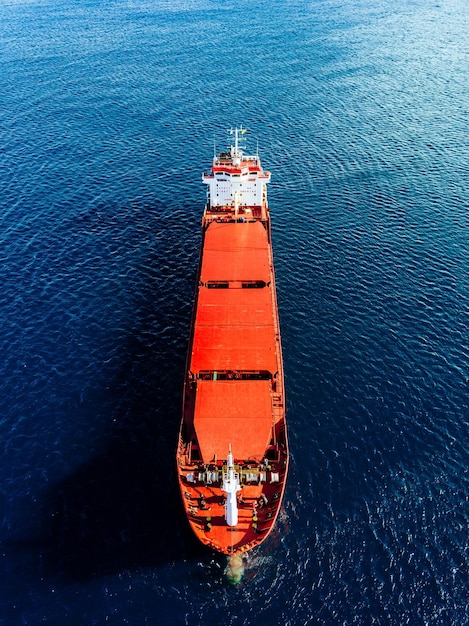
236, 413
234, 330
234, 327
235, 251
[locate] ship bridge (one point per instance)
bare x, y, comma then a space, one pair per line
236, 178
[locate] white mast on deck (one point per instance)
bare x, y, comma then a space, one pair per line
236, 152
231, 486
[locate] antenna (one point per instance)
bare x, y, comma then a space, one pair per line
235, 150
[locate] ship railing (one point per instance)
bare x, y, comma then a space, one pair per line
278, 410
229, 208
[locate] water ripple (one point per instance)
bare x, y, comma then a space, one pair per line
108, 115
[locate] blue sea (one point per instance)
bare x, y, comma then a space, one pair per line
109, 110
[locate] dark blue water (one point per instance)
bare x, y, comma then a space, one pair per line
108, 110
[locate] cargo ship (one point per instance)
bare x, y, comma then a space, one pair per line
232, 456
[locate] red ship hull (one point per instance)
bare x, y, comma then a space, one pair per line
234, 397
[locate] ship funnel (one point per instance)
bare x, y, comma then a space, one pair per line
231, 486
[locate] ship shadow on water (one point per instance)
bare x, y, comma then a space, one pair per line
121, 510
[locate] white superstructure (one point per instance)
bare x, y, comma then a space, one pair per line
236, 180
